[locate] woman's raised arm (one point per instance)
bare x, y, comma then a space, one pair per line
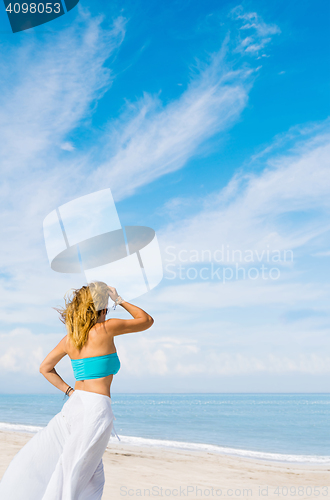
141, 320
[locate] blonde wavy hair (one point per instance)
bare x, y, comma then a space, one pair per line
82, 310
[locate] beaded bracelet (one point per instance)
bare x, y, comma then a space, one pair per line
117, 302
67, 391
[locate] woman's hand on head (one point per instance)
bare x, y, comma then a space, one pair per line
113, 294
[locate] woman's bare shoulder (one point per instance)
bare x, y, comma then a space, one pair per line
109, 325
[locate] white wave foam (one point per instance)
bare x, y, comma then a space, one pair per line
4, 426
162, 443
259, 455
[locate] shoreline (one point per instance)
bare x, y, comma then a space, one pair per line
270, 457
131, 469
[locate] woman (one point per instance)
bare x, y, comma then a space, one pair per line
63, 461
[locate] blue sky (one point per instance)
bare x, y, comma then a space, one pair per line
210, 123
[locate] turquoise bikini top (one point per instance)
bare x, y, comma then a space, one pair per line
95, 367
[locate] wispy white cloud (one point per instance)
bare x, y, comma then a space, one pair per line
149, 140
51, 89
262, 211
260, 33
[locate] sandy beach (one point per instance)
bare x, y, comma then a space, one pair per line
147, 472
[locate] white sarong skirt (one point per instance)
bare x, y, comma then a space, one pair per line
63, 461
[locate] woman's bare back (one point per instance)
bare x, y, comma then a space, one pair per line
99, 343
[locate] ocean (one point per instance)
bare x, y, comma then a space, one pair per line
280, 427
